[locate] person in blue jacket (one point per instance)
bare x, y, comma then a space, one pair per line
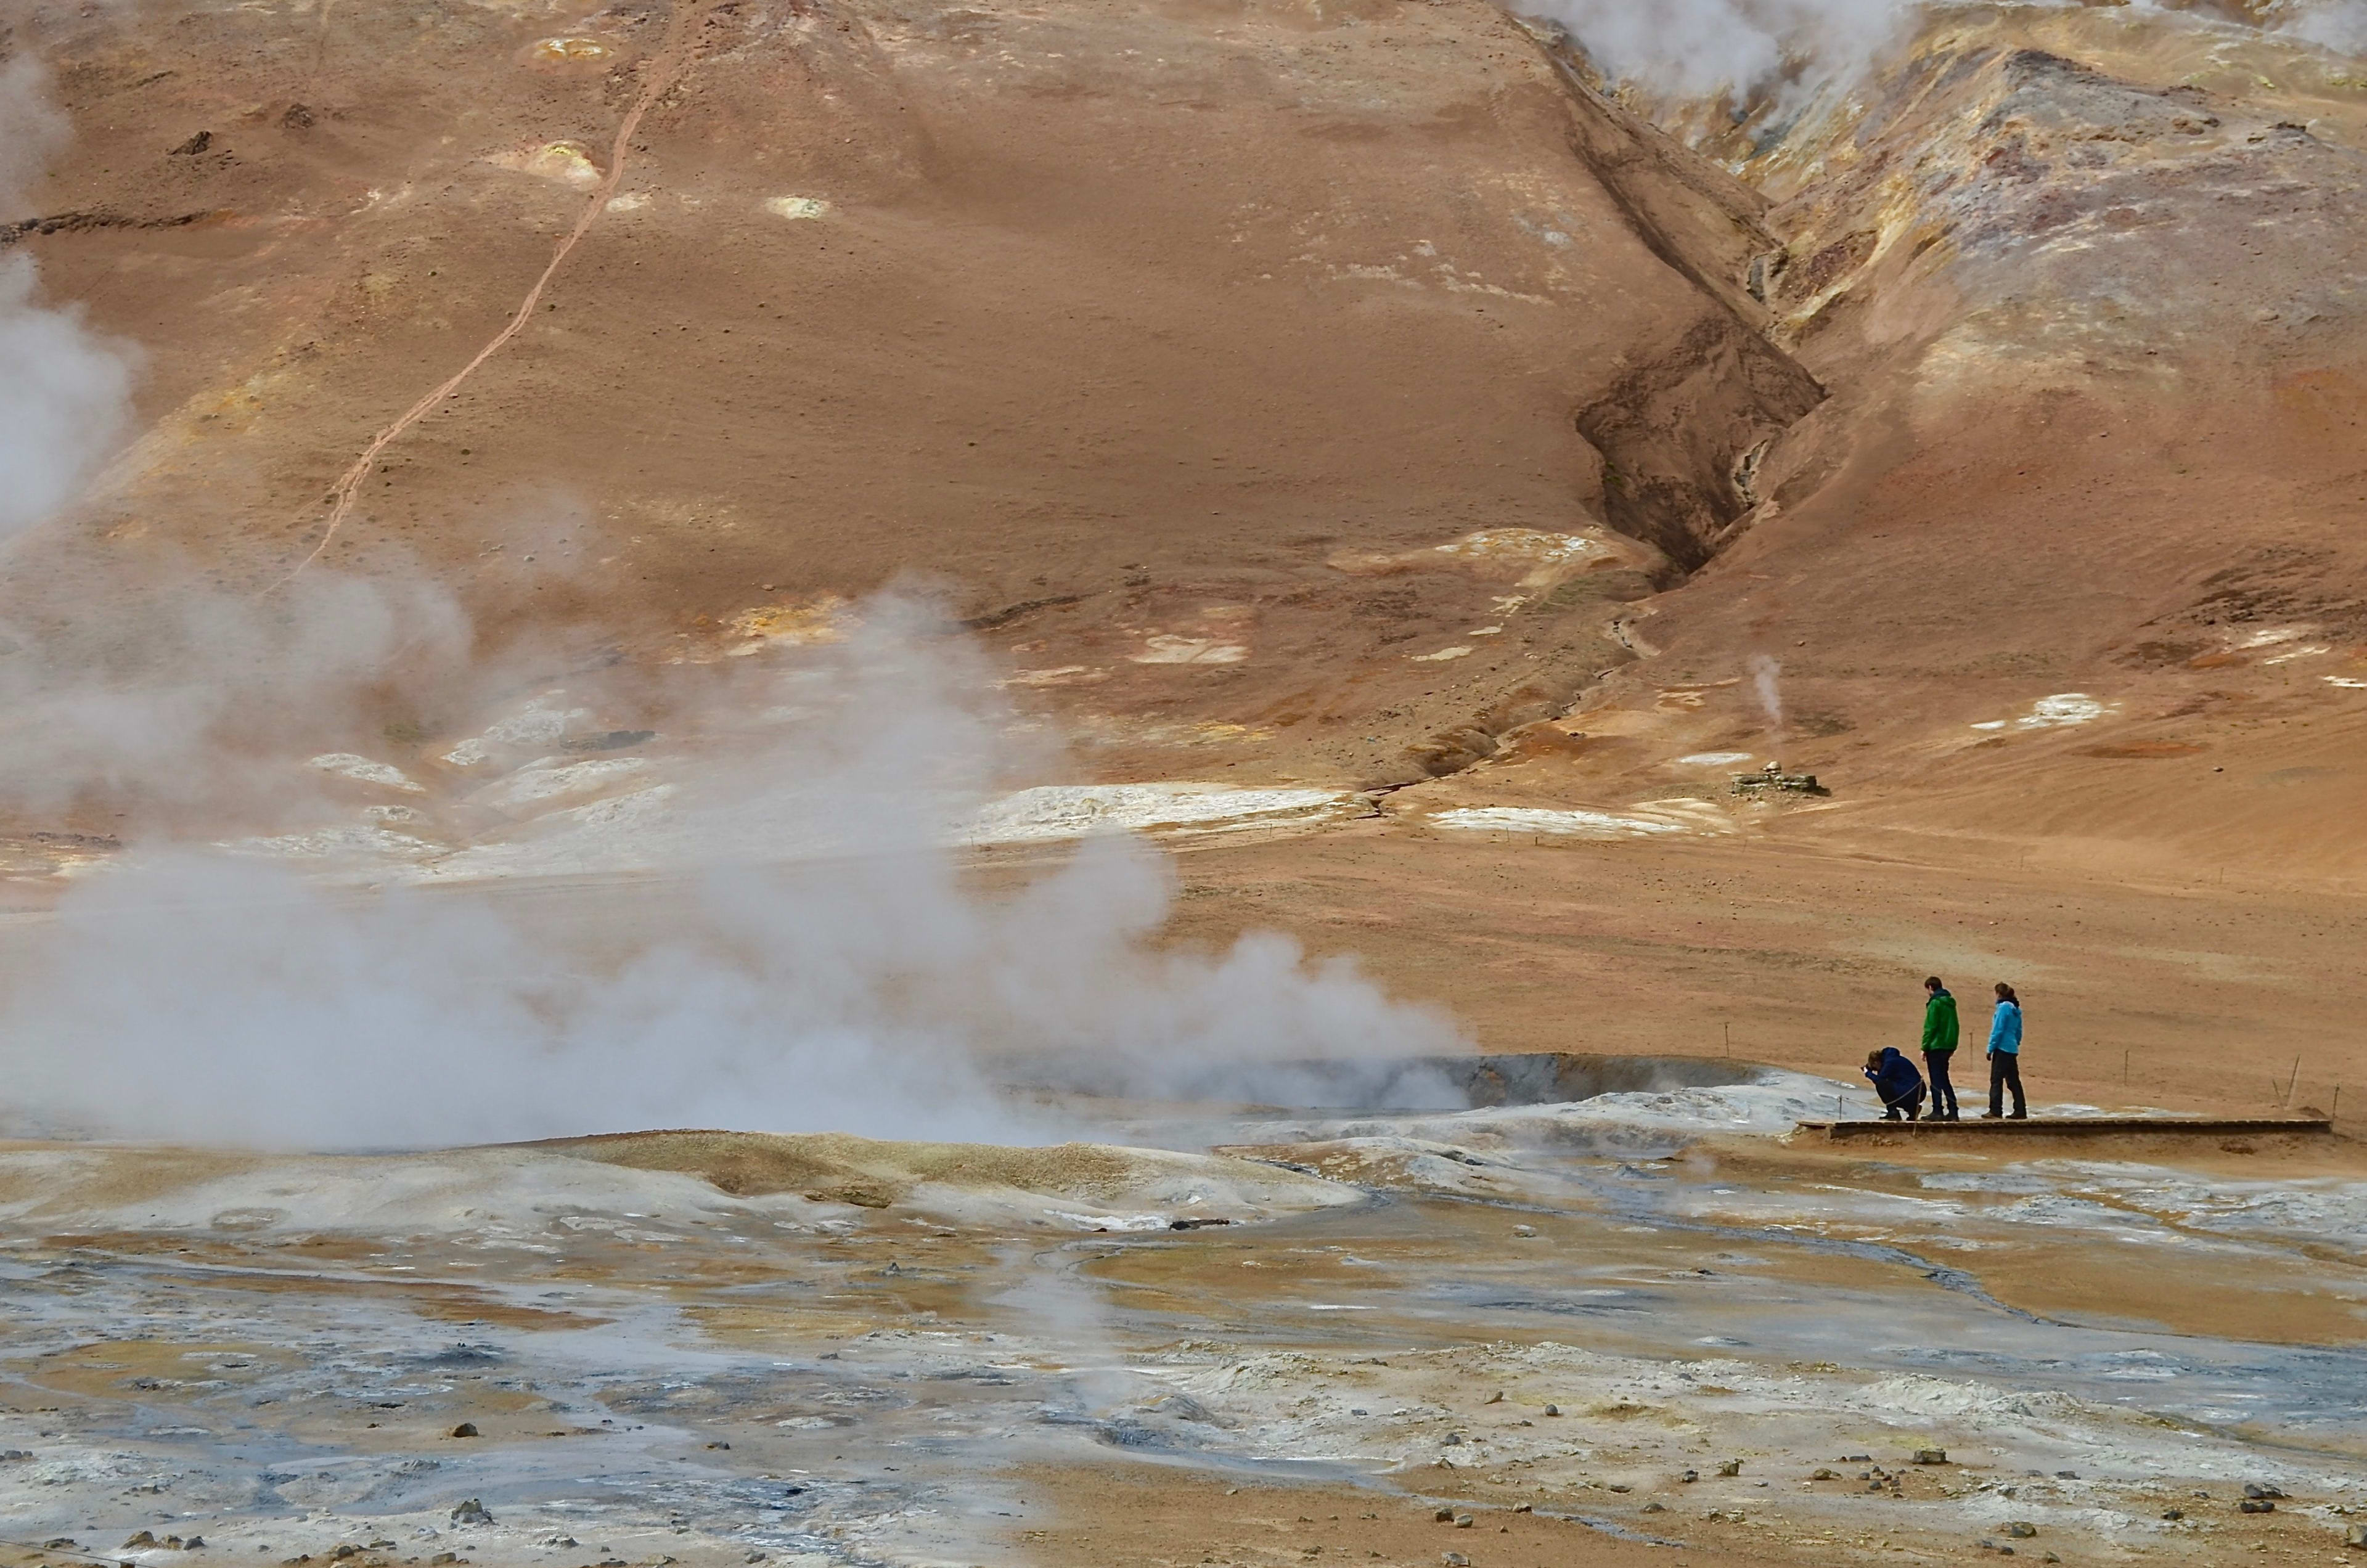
1895, 1079
2005, 1055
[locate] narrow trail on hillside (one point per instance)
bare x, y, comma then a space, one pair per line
665, 68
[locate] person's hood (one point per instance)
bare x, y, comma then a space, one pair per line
1890, 1053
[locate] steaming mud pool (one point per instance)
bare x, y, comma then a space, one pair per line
1644, 1321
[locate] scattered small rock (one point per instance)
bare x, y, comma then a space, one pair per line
1857, 1459
195, 1544
471, 1512
10, 1455
1689, 1475
465, 1429
615, 739
2259, 1492
2174, 1515
1616, 1487
144, 1538
1824, 1475
1444, 1515
1930, 1456
2256, 1505
2067, 1476
194, 145
1652, 1509
1454, 1440
1456, 1560
1730, 1467
2355, 1536
719, 1446
1463, 1521
1525, 1230
1553, 1409
2022, 1530
1524, 1507
1495, 1398
441, 1558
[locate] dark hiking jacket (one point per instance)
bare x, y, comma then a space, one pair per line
1894, 1077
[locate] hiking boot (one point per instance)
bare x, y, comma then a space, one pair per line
1991, 1115
2019, 1116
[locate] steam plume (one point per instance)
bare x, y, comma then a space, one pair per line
64, 393
1765, 673
2337, 25
856, 984
1698, 47
1748, 48
171, 708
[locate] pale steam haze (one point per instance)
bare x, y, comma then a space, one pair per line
1701, 47
855, 985
1766, 685
1706, 47
64, 391
176, 714
2339, 25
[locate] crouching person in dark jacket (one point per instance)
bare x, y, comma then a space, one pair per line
1895, 1079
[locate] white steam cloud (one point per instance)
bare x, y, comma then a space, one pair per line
1699, 48
2337, 25
821, 965
170, 705
64, 391
1744, 48
1765, 675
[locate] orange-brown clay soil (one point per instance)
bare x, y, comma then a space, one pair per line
2190, 996
1154, 1514
1178, 341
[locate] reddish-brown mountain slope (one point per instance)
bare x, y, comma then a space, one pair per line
1159, 334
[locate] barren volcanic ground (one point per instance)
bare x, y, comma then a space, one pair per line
649, 546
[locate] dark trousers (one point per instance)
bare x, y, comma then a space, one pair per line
1944, 1093
1908, 1107
2005, 1072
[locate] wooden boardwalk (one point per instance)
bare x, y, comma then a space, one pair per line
2078, 1127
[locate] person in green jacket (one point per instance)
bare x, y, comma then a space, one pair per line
1939, 1044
